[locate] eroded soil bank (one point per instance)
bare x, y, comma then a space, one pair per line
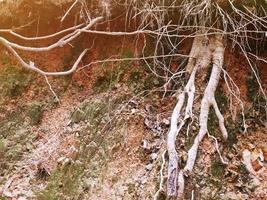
106, 136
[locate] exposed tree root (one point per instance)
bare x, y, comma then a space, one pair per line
204, 51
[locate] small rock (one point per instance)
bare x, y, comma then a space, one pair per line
28, 146
133, 103
144, 144
133, 111
149, 167
166, 121
22, 198
154, 156
251, 146
78, 162
121, 190
75, 127
156, 82
63, 161
143, 179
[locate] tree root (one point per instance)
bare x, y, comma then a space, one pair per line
204, 51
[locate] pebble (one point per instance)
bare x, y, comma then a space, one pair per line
149, 167
154, 156
166, 121
143, 179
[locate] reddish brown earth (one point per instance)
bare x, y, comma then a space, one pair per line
125, 167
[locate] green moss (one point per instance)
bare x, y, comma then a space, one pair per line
14, 137
221, 99
140, 80
213, 123
131, 188
217, 169
109, 78
128, 53
13, 81
242, 169
232, 129
34, 112
190, 140
136, 81
149, 82
252, 88
134, 77
207, 78
5, 58
254, 94
162, 196
103, 83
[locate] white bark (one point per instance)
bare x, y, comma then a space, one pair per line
204, 51
61, 42
208, 100
199, 50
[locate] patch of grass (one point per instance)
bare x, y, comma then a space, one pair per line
89, 111
103, 83
63, 183
2, 145
120, 100
136, 81
109, 78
